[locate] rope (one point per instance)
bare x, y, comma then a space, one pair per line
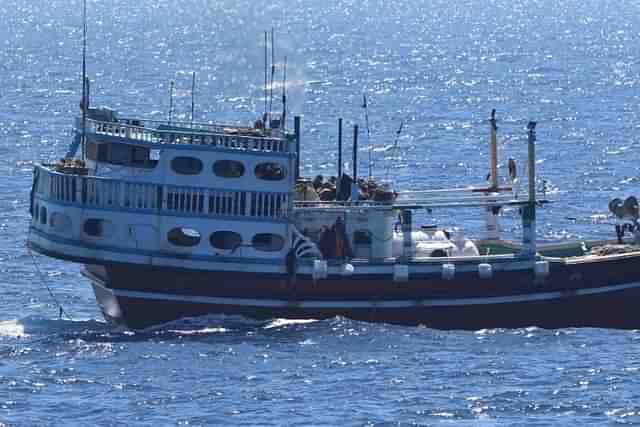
61, 309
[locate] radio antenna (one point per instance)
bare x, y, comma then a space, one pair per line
273, 71
85, 95
284, 95
266, 81
193, 96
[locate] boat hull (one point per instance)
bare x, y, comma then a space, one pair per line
139, 297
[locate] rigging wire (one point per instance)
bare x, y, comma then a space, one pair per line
61, 310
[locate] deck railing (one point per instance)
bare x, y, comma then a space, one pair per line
108, 193
231, 138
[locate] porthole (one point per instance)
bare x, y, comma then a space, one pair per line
267, 242
60, 222
182, 236
43, 215
226, 240
228, 168
186, 165
96, 227
270, 171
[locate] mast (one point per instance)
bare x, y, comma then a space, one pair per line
366, 119
85, 95
492, 212
355, 153
529, 210
296, 131
283, 120
494, 150
193, 95
273, 73
339, 149
266, 81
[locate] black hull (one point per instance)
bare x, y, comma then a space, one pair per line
138, 298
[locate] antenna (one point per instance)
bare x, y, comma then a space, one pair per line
284, 95
273, 72
366, 118
395, 146
171, 101
193, 96
85, 97
266, 81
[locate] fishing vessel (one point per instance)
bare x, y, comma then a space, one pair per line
172, 219
175, 219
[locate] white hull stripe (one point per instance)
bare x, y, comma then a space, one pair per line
360, 304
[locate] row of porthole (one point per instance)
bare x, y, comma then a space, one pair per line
179, 236
225, 240
269, 171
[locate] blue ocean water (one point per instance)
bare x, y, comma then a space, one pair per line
439, 67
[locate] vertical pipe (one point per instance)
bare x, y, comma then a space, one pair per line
529, 210
532, 161
493, 228
296, 130
355, 153
339, 148
494, 150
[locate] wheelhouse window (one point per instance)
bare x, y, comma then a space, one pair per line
270, 171
228, 168
121, 154
227, 240
186, 165
182, 236
267, 242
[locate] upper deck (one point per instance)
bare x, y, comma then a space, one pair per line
204, 135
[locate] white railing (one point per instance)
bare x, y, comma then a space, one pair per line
100, 192
220, 137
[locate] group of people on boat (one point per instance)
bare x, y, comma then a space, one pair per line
340, 189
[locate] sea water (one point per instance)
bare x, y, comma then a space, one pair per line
437, 68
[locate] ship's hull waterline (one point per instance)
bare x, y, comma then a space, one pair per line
579, 296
